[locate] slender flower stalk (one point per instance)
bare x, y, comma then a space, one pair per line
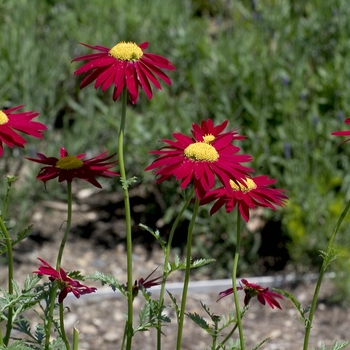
166, 261
129, 328
50, 317
67, 168
75, 338
62, 328
1, 338
8, 243
187, 275
227, 337
68, 225
326, 260
58, 265
234, 281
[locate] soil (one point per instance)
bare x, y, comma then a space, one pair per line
97, 242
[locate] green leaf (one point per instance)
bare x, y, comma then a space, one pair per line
20, 236
145, 317
17, 345
127, 182
76, 275
23, 325
176, 307
329, 257
31, 281
151, 316
201, 262
108, 279
296, 303
261, 343
337, 346
155, 234
198, 320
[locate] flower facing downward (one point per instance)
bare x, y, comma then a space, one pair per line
254, 193
67, 167
64, 282
11, 122
144, 283
343, 133
200, 159
252, 290
125, 64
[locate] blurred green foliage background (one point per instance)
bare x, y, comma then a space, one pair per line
278, 69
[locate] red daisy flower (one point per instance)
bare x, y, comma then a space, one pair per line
125, 64
197, 161
67, 167
144, 283
65, 283
207, 132
254, 193
9, 122
343, 133
252, 290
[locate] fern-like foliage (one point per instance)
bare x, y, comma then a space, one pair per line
302, 311
335, 346
151, 316
177, 264
108, 280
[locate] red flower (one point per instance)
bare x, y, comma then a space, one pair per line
252, 290
65, 283
69, 167
143, 283
343, 133
200, 159
9, 122
125, 64
255, 193
207, 132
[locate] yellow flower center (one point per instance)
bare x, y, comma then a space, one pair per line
250, 185
69, 163
126, 51
201, 151
208, 138
3, 118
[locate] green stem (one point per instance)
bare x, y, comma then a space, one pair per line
227, 337
165, 267
1, 338
321, 275
10, 179
187, 275
75, 338
124, 336
58, 265
232, 331
62, 329
8, 243
50, 316
69, 222
234, 280
129, 329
